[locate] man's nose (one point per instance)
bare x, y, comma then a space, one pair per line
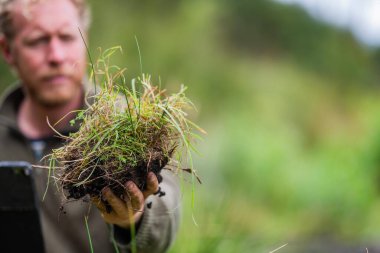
56, 52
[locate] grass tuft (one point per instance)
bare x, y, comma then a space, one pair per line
124, 134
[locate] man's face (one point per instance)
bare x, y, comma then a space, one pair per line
47, 51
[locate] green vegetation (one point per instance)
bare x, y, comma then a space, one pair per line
124, 134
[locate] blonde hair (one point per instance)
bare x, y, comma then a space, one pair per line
6, 19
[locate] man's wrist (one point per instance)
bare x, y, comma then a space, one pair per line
123, 235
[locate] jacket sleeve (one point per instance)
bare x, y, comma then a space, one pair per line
157, 229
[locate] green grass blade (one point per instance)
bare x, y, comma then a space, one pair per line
51, 168
88, 234
138, 48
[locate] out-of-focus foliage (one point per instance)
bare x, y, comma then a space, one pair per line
267, 28
292, 111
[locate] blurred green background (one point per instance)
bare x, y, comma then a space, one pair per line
291, 107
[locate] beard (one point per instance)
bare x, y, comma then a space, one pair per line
54, 94
53, 98
55, 87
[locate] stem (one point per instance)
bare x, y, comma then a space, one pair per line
88, 234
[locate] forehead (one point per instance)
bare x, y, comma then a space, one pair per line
44, 14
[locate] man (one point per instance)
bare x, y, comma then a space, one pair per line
41, 42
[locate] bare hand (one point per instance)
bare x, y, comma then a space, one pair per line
130, 209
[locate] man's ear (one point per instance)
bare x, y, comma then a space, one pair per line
5, 48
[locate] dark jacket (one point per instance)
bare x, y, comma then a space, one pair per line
66, 231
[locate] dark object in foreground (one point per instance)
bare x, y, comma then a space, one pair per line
18, 211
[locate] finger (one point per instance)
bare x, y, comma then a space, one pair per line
151, 185
135, 196
99, 204
135, 201
108, 216
118, 206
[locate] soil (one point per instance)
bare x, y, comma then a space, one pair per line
104, 175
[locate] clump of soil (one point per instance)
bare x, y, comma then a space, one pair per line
123, 135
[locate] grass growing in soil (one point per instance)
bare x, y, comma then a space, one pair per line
128, 131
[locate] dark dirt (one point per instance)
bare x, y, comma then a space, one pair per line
104, 176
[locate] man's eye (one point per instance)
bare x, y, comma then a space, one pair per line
37, 41
67, 37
